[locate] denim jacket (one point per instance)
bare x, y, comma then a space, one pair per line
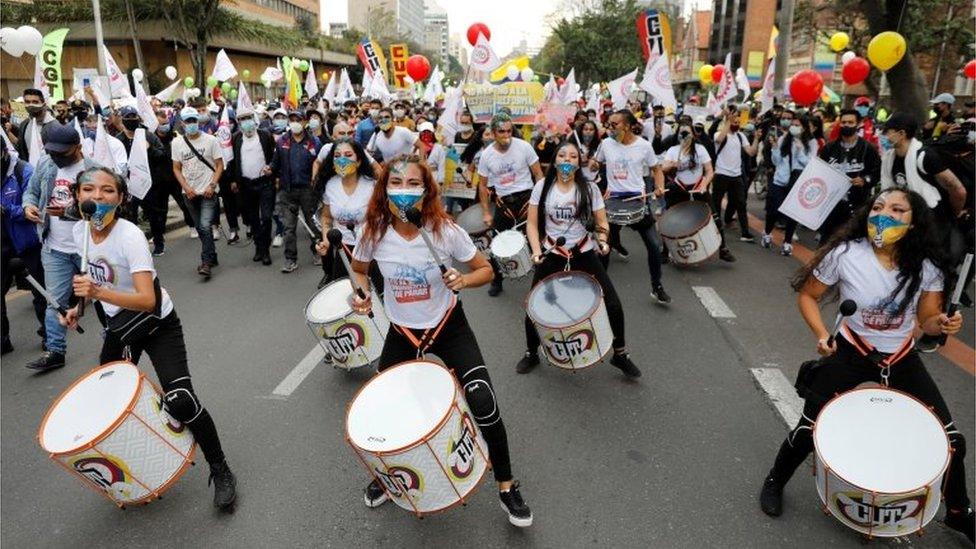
39, 188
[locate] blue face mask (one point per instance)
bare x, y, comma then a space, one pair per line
402, 200
345, 166
885, 143
103, 216
248, 126
566, 169
862, 110
191, 128
89, 133
280, 124
163, 128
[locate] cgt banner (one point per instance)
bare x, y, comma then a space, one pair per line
398, 58
49, 62
371, 56
654, 33
818, 189
522, 99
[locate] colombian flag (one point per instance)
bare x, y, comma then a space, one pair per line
451, 162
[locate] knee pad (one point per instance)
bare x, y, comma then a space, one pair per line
480, 397
182, 404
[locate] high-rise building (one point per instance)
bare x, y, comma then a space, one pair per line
458, 51
436, 33
743, 28
401, 18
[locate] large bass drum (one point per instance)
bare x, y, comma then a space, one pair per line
689, 232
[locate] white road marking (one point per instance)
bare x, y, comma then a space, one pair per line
299, 372
780, 392
712, 302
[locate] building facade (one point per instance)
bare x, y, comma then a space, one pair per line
402, 18
458, 51
436, 33
742, 28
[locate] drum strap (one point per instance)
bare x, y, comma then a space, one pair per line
563, 251
430, 334
883, 360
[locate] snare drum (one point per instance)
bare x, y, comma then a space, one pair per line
881, 455
472, 220
511, 251
412, 430
351, 339
629, 212
568, 311
110, 430
690, 232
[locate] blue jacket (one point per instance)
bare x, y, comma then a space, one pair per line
364, 131
39, 188
292, 162
21, 232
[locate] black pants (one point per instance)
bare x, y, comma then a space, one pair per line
230, 201
458, 348
676, 194
258, 202
845, 370
735, 187
652, 243
167, 351
510, 212
335, 269
32, 263
587, 262
153, 210
775, 195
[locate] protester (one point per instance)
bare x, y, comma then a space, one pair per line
295, 153
860, 161
40, 117
254, 150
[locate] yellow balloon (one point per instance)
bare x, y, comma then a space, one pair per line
705, 74
886, 49
839, 41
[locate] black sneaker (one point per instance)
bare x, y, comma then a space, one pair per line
6, 346
258, 256
747, 238
375, 495
234, 238
225, 486
725, 255
622, 252
159, 251
627, 366
961, 521
495, 289
771, 497
529, 361
660, 295
519, 513
266, 260
204, 271
50, 360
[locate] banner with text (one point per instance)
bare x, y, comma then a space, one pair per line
398, 58
654, 33
521, 98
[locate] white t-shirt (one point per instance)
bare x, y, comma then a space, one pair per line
647, 132
252, 156
626, 164
59, 236
729, 159
325, 154
688, 177
197, 174
346, 208
399, 143
436, 160
561, 213
112, 262
415, 295
864, 280
508, 172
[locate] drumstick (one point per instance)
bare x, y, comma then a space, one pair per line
88, 209
957, 292
559, 243
413, 216
311, 233
847, 308
334, 236
17, 265
638, 197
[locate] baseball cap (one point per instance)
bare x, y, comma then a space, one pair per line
863, 100
425, 127
902, 121
189, 113
943, 98
297, 114
59, 138
128, 111
280, 111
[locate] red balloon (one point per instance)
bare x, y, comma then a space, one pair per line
560, 81
418, 67
717, 72
970, 70
856, 70
476, 29
806, 87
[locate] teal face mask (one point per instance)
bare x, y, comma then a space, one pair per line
191, 128
248, 126
402, 200
566, 169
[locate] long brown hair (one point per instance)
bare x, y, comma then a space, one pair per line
379, 217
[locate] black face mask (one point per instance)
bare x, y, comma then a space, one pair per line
131, 125
35, 110
847, 131
63, 160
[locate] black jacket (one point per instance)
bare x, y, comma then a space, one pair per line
267, 146
861, 160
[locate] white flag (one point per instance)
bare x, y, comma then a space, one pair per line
483, 58
330, 89
766, 95
223, 68
726, 87
594, 98
311, 85
169, 92
272, 74
224, 138
657, 81
140, 178
102, 90
117, 81
102, 151
35, 151
346, 91
77, 126
819, 188
743, 81
550, 91
146, 112
244, 104
569, 91
378, 88
712, 105
447, 122
620, 89
367, 84
39, 81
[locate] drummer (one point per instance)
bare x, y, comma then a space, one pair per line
692, 165
425, 316
570, 204
885, 261
509, 166
122, 281
626, 156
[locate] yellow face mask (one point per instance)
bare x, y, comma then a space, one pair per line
884, 230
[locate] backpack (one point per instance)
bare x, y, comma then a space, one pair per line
957, 153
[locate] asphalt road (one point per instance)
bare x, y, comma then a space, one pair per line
674, 459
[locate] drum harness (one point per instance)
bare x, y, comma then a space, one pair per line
883, 360
430, 334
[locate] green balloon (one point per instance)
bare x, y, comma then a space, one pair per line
246, 73
211, 81
188, 82
285, 61
233, 94
303, 65
225, 87
535, 78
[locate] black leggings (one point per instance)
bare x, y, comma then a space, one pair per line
511, 212
845, 370
775, 195
167, 351
735, 186
587, 262
458, 348
652, 242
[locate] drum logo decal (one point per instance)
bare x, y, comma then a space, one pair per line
173, 426
510, 267
106, 472
483, 243
813, 193
686, 249
857, 508
564, 351
461, 453
401, 480
348, 337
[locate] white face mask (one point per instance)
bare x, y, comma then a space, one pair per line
795, 131
295, 127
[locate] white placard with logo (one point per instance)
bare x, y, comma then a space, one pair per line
814, 195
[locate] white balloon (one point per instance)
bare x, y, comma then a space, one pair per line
527, 74
31, 39
512, 72
10, 41
137, 75
848, 55
171, 72
408, 79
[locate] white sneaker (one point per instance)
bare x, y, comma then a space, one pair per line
767, 241
787, 249
193, 233
277, 241
216, 233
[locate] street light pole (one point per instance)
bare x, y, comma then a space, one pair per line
99, 37
783, 53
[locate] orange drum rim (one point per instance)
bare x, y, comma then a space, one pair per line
590, 313
110, 429
942, 470
691, 204
423, 439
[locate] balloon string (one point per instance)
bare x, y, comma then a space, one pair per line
902, 15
